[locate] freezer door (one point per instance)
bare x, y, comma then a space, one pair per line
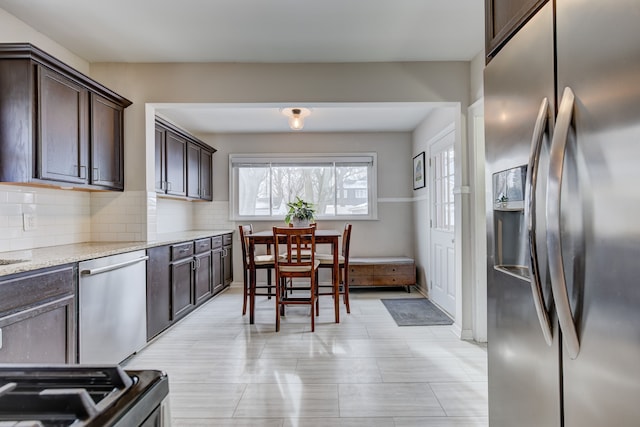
524, 371
598, 57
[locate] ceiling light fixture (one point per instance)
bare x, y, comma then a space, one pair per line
296, 116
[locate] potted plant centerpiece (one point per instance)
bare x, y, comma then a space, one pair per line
300, 213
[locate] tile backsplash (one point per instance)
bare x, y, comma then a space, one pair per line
180, 215
212, 216
59, 217
118, 217
174, 215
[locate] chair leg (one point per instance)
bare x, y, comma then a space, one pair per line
268, 283
345, 283
317, 297
252, 296
277, 305
245, 292
313, 304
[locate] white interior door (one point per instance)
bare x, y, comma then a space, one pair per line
442, 283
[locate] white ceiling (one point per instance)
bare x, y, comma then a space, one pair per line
324, 117
267, 31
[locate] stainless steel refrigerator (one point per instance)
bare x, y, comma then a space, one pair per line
562, 120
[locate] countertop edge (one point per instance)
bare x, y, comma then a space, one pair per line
53, 256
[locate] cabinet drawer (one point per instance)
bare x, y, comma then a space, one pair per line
182, 250
27, 289
203, 245
360, 270
227, 239
216, 242
392, 280
393, 269
360, 280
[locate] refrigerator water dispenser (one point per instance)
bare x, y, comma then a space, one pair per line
510, 245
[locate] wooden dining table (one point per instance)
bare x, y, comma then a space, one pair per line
323, 237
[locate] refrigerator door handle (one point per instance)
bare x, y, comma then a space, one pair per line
531, 184
554, 242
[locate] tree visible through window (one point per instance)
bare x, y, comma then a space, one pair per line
339, 187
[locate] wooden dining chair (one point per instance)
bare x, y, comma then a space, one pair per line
255, 262
292, 264
326, 261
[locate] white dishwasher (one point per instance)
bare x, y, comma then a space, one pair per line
112, 307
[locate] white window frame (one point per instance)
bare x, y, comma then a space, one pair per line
305, 158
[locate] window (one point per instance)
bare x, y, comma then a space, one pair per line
443, 184
340, 186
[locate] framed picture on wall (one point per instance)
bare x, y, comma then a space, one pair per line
418, 171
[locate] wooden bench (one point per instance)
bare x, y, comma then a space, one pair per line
382, 271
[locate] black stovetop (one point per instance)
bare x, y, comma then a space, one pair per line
78, 396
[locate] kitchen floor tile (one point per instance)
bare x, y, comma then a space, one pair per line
288, 400
364, 371
388, 400
462, 399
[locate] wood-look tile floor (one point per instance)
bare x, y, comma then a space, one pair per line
365, 371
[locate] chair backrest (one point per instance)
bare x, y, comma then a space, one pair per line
289, 243
244, 230
346, 240
306, 245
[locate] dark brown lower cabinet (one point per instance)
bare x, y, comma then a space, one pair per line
158, 290
203, 276
182, 276
182, 300
218, 277
38, 316
227, 262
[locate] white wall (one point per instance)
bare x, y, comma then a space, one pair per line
255, 83
150, 84
392, 233
476, 84
479, 197
13, 30
422, 136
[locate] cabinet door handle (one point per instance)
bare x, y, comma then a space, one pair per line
193, 264
96, 174
83, 172
168, 186
198, 261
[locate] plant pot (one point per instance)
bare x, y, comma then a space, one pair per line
300, 222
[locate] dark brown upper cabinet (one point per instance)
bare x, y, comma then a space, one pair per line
161, 138
503, 18
183, 163
176, 162
62, 133
193, 170
206, 177
57, 126
107, 143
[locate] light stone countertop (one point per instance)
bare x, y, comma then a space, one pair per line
33, 259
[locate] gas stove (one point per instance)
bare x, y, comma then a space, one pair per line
82, 396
